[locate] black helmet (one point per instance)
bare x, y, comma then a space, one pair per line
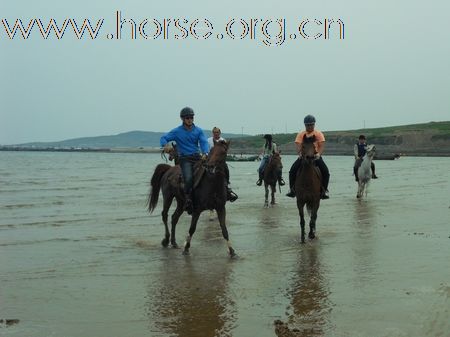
309, 119
268, 137
362, 137
186, 112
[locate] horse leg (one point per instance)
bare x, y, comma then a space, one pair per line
164, 214
175, 217
221, 214
358, 194
300, 206
312, 222
272, 187
266, 195
187, 244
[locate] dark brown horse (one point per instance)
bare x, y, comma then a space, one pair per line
209, 193
168, 179
272, 172
308, 183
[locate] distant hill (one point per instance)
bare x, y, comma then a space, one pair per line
427, 139
132, 139
415, 139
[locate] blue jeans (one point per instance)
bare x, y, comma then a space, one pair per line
187, 170
262, 166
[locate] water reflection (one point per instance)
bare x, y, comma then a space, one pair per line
310, 305
189, 297
364, 241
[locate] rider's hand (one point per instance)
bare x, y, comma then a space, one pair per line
317, 156
204, 156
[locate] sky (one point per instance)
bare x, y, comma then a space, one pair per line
391, 68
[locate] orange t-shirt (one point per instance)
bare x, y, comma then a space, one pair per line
319, 137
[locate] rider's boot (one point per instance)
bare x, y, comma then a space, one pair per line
291, 193
231, 196
259, 182
324, 194
355, 172
374, 176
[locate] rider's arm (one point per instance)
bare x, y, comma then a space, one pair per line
355, 151
168, 137
320, 147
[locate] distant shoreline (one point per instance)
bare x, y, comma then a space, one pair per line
247, 151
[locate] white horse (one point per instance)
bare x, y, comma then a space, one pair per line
364, 171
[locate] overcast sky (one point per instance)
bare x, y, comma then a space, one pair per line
391, 68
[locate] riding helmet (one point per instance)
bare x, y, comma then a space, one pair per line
309, 119
362, 137
186, 112
268, 137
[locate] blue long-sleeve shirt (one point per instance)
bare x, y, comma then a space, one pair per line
187, 140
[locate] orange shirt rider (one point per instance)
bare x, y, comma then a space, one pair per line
318, 144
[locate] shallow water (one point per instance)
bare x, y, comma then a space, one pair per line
80, 256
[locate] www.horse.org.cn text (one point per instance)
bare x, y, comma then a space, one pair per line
268, 31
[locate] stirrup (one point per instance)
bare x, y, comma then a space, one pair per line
259, 182
324, 195
281, 182
291, 193
231, 196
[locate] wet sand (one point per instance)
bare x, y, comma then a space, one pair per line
79, 255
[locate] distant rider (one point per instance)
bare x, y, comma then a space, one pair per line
269, 148
359, 151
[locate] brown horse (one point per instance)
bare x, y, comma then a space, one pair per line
168, 179
308, 183
209, 193
272, 172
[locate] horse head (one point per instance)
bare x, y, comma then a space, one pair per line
370, 150
173, 154
275, 161
217, 155
308, 149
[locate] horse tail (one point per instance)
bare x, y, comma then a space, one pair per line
155, 184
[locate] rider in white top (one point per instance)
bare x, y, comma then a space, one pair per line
216, 137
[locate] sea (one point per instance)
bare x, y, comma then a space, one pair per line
80, 255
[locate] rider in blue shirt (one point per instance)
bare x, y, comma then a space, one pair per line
188, 136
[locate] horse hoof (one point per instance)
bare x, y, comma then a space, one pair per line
302, 239
186, 253
165, 242
175, 245
311, 236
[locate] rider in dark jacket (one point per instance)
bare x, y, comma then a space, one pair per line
359, 150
